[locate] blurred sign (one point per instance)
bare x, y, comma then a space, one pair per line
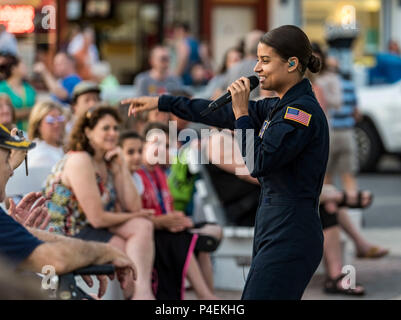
98, 8
348, 17
18, 18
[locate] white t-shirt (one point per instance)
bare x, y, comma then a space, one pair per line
44, 155
76, 45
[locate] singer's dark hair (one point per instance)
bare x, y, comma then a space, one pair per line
290, 41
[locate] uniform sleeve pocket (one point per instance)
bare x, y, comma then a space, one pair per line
275, 134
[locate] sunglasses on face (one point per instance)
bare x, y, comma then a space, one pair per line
52, 120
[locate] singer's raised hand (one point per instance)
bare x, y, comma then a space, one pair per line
240, 91
141, 104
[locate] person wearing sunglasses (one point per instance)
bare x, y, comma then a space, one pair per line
46, 128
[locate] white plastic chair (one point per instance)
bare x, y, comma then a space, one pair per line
20, 184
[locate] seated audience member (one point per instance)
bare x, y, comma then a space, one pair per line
331, 200
247, 64
213, 88
199, 76
7, 112
136, 124
65, 78
21, 93
345, 200
83, 48
101, 74
46, 129
31, 249
85, 96
236, 189
132, 145
173, 228
158, 79
91, 194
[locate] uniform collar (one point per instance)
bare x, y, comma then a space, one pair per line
301, 88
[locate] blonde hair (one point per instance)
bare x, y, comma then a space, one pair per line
39, 111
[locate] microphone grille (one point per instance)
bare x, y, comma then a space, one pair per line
254, 81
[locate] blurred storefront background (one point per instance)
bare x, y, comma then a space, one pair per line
127, 29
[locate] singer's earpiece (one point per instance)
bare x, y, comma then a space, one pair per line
291, 63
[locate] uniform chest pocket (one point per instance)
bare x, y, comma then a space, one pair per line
275, 134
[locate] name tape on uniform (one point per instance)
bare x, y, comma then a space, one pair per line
264, 127
298, 115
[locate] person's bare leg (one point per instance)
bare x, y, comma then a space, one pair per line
206, 267
328, 179
361, 244
119, 243
349, 182
204, 260
139, 246
350, 186
332, 256
197, 281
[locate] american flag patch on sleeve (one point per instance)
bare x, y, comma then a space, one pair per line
298, 115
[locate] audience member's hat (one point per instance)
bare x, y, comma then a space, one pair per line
8, 141
84, 87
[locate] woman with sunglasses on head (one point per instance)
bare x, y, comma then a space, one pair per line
286, 149
46, 128
92, 197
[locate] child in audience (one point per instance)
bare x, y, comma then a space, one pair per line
175, 244
132, 144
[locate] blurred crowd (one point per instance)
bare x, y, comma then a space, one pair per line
107, 185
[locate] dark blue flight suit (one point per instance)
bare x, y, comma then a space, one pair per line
290, 151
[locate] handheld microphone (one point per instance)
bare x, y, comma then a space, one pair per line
226, 98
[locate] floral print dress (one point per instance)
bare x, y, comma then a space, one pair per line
67, 216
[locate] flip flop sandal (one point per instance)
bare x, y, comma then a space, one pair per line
373, 253
331, 287
345, 202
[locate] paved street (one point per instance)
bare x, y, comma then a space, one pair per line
381, 225
386, 186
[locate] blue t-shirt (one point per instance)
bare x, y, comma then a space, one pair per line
16, 242
68, 83
344, 118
